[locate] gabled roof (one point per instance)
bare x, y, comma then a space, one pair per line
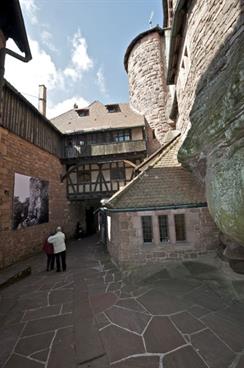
163, 183
98, 118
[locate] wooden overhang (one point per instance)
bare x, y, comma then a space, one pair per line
12, 26
137, 39
177, 30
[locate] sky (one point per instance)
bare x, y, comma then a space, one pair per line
78, 49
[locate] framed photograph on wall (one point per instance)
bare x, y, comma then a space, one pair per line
30, 202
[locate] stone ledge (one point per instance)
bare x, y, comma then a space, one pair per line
13, 274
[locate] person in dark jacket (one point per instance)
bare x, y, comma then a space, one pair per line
48, 249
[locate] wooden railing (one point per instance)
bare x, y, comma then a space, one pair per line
22, 118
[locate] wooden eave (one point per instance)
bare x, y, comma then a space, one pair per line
176, 38
13, 26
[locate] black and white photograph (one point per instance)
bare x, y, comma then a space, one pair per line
30, 204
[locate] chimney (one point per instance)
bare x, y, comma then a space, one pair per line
42, 99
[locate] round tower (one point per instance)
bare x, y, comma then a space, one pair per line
145, 65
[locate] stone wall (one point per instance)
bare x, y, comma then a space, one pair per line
20, 156
127, 248
147, 86
210, 92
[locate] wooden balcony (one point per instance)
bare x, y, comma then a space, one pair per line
104, 149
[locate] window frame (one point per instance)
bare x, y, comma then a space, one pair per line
161, 239
145, 229
179, 228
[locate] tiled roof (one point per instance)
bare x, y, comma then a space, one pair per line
98, 119
164, 183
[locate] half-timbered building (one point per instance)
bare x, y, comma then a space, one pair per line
101, 146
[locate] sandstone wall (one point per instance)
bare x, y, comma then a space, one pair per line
20, 156
127, 248
210, 93
147, 86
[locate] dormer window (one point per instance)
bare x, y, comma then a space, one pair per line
83, 112
113, 108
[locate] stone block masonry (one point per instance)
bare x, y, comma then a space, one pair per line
20, 156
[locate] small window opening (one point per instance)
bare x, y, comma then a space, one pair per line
163, 228
83, 112
117, 173
113, 108
147, 228
180, 230
153, 134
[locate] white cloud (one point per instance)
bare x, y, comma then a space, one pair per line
30, 8
101, 81
80, 57
71, 73
27, 76
47, 40
66, 105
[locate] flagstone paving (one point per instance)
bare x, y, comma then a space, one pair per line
184, 315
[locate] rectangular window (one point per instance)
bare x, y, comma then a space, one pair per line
113, 108
180, 230
163, 228
147, 228
121, 136
117, 173
83, 177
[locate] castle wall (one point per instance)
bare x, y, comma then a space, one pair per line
147, 86
22, 157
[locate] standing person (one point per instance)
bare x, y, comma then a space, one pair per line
59, 248
48, 249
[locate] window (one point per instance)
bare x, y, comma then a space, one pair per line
83, 112
83, 177
147, 228
180, 231
113, 108
121, 136
163, 228
117, 173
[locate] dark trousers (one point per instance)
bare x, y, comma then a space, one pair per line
50, 262
61, 255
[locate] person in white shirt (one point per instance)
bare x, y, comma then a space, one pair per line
59, 248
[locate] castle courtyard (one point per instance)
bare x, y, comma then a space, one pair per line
182, 315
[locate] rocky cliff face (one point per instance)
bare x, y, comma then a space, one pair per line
214, 146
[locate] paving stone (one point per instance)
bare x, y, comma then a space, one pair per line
234, 312
41, 312
239, 288
228, 331
177, 286
131, 320
100, 362
67, 307
47, 324
214, 351
120, 344
101, 302
63, 350
29, 345
185, 357
131, 304
161, 336
197, 268
114, 286
102, 320
33, 300
241, 362
17, 361
109, 277
139, 362
187, 323
41, 355
158, 303
60, 296
198, 311
9, 336
206, 298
